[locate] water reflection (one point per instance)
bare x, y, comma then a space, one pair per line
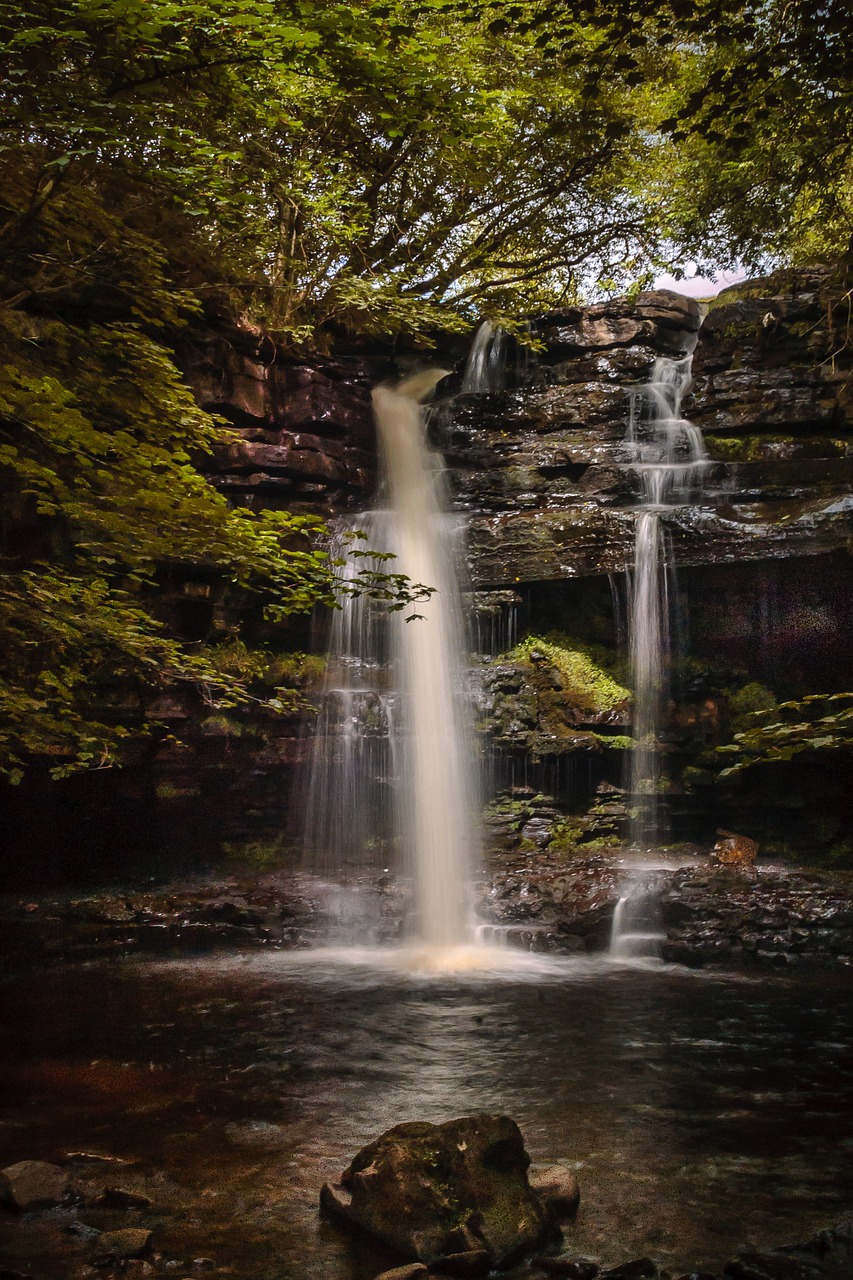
701, 1112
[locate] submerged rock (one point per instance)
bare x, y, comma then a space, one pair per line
32, 1184
113, 1246
430, 1191
559, 1188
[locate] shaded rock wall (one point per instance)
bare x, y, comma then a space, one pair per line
302, 433
542, 467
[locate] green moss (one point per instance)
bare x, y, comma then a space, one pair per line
221, 726
259, 855
752, 697
615, 741
294, 671
731, 449
583, 681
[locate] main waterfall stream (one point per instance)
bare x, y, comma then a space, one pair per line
420, 746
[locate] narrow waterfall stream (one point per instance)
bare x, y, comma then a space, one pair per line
404, 770
486, 364
669, 459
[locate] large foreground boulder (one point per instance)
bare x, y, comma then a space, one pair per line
430, 1191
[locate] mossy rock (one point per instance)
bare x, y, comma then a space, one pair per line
429, 1191
582, 681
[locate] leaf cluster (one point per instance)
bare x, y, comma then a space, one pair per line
819, 723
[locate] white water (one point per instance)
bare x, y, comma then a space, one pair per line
669, 459
394, 758
636, 933
485, 367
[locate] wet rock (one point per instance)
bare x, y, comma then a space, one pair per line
636, 1269
114, 1246
411, 1271
473, 1263
119, 1198
32, 1184
559, 1189
734, 851
772, 1266
97, 1157
570, 1268
429, 1191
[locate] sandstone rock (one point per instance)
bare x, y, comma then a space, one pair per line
32, 1184
429, 1191
733, 850
411, 1271
119, 1198
113, 1246
558, 1187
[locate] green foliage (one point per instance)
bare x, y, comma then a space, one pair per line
748, 700
97, 440
584, 683
820, 723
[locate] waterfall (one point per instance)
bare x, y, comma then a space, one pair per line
636, 933
485, 367
668, 457
396, 769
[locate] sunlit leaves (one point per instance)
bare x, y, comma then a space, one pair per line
816, 724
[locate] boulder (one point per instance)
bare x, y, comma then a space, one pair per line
114, 1246
34, 1184
558, 1188
410, 1271
430, 1191
119, 1198
734, 851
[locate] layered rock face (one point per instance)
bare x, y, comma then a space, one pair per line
543, 467
302, 432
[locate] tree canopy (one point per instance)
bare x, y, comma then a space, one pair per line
380, 166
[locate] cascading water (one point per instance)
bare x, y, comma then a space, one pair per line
402, 765
668, 457
486, 363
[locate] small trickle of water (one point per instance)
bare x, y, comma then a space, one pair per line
636, 933
486, 365
669, 459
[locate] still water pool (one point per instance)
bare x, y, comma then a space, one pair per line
700, 1111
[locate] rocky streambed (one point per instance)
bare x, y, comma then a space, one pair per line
710, 915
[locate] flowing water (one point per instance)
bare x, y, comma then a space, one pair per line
700, 1111
486, 364
668, 457
394, 753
